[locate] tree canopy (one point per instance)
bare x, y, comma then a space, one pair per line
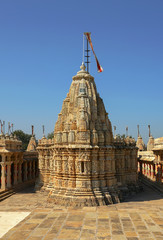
24, 137
123, 136
50, 135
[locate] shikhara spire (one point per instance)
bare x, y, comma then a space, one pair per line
83, 163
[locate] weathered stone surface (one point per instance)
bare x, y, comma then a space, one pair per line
150, 163
84, 165
120, 221
140, 144
18, 168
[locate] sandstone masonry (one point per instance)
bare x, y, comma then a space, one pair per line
84, 165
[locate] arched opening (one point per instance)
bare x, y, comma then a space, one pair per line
0, 158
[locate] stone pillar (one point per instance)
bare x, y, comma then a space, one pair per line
20, 172
9, 175
59, 169
102, 169
50, 183
41, 170
143, 168
147, 170
55, 168
45, 170
33, 169
65, 170
159, 173
30, 170
152, 172
138, 167
25, 171
15, 173
3, 184
71, 166
95, 182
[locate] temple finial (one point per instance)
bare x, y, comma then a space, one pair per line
83, 67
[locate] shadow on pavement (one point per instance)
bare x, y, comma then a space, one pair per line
148, 194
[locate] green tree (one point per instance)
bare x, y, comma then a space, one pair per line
123, 136
25, 138
50, 135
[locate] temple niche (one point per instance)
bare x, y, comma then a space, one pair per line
84, 165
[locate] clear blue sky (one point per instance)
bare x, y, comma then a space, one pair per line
41, 49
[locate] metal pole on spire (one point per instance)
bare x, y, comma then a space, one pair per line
114, 130
87, 54
32, 130
127, 131
83, 48
9, 128
3, 127
138, 130
12, 127
149, 130
43, 129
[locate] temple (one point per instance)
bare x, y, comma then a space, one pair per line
84, 165
150, 162
18, 168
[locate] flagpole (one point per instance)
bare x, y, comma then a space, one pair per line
87, 58
83, 47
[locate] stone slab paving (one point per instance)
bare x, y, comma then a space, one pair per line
9, 219
139, 218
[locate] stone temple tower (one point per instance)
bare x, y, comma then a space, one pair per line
83, 165
84, 171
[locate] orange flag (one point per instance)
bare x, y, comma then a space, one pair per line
87, 34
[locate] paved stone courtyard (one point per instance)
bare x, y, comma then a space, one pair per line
139, 218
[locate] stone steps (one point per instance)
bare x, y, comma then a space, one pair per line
154, 185
19, 187
6, 193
